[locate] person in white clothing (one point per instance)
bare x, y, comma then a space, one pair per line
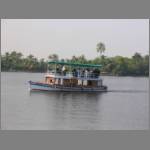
86, 73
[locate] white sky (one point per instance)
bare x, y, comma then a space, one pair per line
68, 37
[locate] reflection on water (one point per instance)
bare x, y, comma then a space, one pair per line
124, 107
80, 109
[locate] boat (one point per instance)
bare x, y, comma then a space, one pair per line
70, 77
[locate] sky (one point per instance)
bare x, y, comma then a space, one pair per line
68, 37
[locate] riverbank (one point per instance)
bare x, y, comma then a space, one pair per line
137, 65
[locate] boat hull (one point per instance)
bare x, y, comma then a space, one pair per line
34, 86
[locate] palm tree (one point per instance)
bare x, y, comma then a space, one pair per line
101, 48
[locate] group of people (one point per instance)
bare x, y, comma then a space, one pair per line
79, 72
93, 73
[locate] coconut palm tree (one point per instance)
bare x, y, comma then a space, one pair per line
100, 48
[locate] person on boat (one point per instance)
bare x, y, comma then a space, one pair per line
58, 70
64, 70
96, 73
82, 73
75, 73
86, 73
91, 73
78, 73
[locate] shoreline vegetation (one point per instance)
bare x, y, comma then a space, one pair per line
137, 65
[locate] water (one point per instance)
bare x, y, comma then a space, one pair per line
124, 107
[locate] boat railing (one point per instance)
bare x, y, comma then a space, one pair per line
77, 75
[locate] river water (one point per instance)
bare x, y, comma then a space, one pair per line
124, 107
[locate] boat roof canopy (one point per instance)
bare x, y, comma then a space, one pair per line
75, 64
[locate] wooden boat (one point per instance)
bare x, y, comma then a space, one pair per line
77, 77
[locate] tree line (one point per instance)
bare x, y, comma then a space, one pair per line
137, 65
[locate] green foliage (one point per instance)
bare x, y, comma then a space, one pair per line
122, 66
15, 62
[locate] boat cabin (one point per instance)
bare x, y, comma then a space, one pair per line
73, 75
